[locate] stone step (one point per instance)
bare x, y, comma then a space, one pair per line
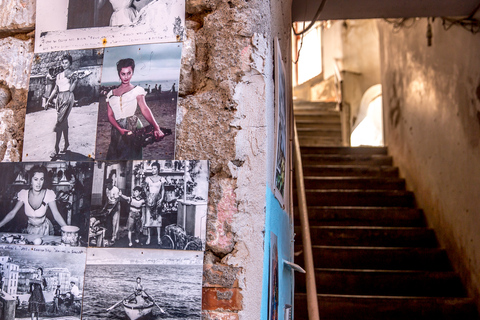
319, 117
353, 183
344, 150
306, 105
363, 198
363, 216
350, 171
345, 307
313, 111
310, 142
318, 124
370, 236
323, 132
314, 133
353, 159
384, 283
377, 258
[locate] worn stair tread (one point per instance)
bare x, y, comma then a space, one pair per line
345, 159
371, 236
363, 216
381, 198
354, 307
382, 258
359, 183
349, 170
305, 104
344, 150
385, 282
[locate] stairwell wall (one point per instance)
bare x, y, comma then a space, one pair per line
225, 112
432, 128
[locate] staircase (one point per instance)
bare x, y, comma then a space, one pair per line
374, 256
318, 123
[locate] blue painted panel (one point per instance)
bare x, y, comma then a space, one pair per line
278, 222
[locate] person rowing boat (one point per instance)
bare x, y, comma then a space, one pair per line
137, 304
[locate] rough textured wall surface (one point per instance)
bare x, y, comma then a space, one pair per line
432, 118
17, 19
226, 101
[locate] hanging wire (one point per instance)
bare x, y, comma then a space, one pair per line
401, 23
301, 45
312, 22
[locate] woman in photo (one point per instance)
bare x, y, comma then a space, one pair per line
155, 193
122, 104
65, 83
123, 12
36, 200
36, 302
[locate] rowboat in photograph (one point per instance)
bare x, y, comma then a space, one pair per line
138, 307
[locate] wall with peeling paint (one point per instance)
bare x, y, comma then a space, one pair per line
225, 115
432, 120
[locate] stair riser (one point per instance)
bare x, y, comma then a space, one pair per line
406, 238
412, 284
344, 150
366, 199
363, 217
355, 184
374, 160
340, 308
324, 133
350, 171
379, 259
311, 124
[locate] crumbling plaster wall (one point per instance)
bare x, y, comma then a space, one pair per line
432, 120
225, 115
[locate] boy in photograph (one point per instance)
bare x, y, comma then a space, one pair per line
134, 222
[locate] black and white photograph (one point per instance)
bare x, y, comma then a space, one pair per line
150, 204
130, 284
138, 105
42, 282
45, 203
81, 24
281, 164
62, 106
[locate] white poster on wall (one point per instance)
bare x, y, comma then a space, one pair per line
80, 24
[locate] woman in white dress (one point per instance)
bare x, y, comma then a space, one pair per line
36, 200
122, 104
123, 13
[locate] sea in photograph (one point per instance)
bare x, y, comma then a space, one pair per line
177, 289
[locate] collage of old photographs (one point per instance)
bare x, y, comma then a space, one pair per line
99, 221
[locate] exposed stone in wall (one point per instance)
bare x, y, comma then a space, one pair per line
17, 16
222, 118
15, 62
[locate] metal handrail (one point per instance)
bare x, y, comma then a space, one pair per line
344, 109
338, 84
312, 302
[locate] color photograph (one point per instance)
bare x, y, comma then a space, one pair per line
81, 24
41, 283
45, 203
62, 106
147, 284
138, 102
150, 204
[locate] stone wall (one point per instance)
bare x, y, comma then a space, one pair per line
226, 102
